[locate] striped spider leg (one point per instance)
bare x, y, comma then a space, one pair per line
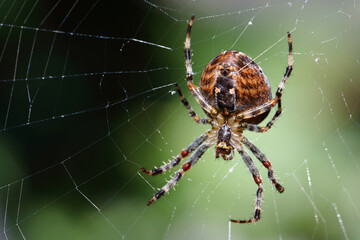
237, 143
184, 153
266, 107
199, 145
192, 146
185, 167
210, 110
263, 159
257, 179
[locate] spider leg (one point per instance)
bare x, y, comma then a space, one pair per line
190, 110
270, 104
186, 166
184, 153
189, 74
256, 128
263, 159
257, 178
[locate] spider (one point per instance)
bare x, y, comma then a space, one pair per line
236, 96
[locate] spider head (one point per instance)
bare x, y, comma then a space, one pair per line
223, 146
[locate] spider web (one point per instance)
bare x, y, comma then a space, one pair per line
87, 97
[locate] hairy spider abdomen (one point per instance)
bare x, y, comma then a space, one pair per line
233, 82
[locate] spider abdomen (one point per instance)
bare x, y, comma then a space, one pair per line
233, 82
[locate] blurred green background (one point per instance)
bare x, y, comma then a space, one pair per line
86, 98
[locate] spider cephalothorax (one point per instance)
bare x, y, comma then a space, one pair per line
223, 146
236, 96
